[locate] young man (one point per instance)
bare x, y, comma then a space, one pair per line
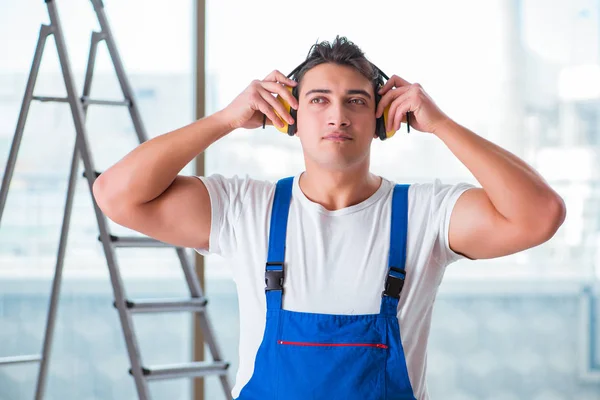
336, 269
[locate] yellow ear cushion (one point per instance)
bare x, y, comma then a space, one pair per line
284, 129
386, 112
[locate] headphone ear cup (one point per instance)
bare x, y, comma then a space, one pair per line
293, 127
287, 128
379, 122
385, 117
382, 123
380, 128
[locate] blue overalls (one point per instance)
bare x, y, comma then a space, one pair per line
307, 356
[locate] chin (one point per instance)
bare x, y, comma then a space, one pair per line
337, 163
335, 157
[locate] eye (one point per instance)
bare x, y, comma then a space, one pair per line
357, 101
316, 98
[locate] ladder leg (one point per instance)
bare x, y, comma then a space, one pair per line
64, 235
210, 340
83, 147
45, 30
203, 319
89, 71
140, 130
56, 283
196, 291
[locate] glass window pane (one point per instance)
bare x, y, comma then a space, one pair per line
89, 359
524, 75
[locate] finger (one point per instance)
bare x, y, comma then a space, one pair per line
400, 113
402, 99
282, 91
267, 110
261, 104
266, 121
394, 81
388, 98
277, 76
277, 106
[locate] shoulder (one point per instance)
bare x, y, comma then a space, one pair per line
436, 194
430, 204
236, 185
430, 208
432, 193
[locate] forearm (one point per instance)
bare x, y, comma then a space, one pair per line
515, 189
148, 170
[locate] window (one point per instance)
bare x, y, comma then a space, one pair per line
507, 74
89, 360
522, 74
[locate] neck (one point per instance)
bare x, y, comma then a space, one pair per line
335, 189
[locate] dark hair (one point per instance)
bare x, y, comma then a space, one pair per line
341, 52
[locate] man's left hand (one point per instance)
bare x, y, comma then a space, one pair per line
406, 97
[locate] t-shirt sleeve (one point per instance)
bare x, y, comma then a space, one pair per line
226, 201
443, 200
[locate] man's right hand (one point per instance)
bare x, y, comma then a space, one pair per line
248, 108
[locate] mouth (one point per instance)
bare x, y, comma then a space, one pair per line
338, 137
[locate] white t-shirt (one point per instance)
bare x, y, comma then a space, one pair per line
335, 261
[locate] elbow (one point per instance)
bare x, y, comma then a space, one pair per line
107, 198
555, 215
100, 190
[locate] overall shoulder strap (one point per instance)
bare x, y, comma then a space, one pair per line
397, 257
277, 235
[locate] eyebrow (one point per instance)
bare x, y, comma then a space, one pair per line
351, 91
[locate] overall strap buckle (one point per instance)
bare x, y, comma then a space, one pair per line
274, 277
394, 282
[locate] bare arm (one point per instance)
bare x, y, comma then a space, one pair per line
515, 210
144, 192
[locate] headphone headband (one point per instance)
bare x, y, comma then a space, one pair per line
299, 67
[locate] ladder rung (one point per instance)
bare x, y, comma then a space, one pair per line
201, 368
136, 241
20, 359
166, 305
86, 101
50, 98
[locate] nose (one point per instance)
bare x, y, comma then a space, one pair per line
338, 116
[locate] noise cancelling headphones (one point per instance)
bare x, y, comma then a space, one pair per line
380, 124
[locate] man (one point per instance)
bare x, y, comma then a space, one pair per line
351, 262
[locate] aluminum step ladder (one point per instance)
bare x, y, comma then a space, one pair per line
196, 303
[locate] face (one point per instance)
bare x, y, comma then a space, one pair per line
336, 117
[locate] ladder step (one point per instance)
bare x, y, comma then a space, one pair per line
136, 241
87, 101
172, 371
166, 305
49, 98
20, 359
84, 100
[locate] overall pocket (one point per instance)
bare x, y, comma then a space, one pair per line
321, 370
